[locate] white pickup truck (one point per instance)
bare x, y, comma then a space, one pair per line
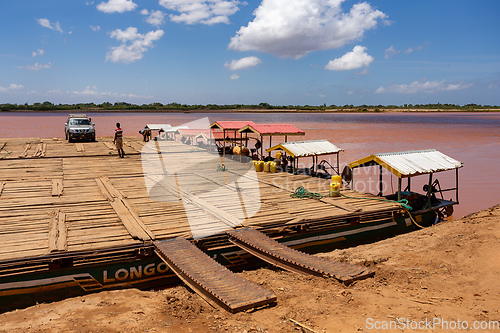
79, 127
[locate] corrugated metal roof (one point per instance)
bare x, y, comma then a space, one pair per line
307, 148
175, 129
411, 163
231, 125
272, 129
165, 127
159, 126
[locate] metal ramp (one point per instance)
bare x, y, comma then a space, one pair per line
212, 281
287, 258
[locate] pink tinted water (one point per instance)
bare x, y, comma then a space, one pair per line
472, 138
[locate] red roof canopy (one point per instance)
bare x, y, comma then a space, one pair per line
272, 129
195, 132
231, 125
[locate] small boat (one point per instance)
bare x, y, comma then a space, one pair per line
425, 208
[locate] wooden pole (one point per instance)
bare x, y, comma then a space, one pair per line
429, 191
224, 143
399, 188
338, 164
261, 147
352, 179
210, 140
270, 145
380, 185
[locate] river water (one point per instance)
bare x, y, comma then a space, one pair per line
472, 138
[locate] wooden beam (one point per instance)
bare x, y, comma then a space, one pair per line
79, 147
130, 219
109, 145
334, 202
57, 187
58, 236
25, 151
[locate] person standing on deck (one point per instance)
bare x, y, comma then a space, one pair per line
118, 140
146, 133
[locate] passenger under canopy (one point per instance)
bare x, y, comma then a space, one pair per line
313, 148
413, 163
271, 130
228, 127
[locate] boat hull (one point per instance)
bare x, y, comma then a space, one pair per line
139, 267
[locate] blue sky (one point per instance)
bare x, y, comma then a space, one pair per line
282, 52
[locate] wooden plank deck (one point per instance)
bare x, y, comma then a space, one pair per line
57, 196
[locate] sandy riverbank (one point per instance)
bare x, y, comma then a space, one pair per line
444, 273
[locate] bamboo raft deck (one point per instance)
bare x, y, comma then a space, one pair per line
60, 197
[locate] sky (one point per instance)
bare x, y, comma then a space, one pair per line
281, 52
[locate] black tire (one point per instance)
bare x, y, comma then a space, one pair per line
70, 139
66, 134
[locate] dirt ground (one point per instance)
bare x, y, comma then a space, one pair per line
445, 277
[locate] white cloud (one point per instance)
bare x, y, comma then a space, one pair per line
38, 52
37, 66
156, 17
364, 72
421, 86
242, 63
234, 76
47, 24
293, 28
201, 11
390, 52
88, 91
12, 87
357, 58
95, 93
418, 48
133, 44
116, 6
95, 27
494, 85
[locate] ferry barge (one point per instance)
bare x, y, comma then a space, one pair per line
75, 219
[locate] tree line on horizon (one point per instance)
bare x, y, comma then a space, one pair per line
48, 106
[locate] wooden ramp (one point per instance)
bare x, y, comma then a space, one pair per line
212, 281
287, 258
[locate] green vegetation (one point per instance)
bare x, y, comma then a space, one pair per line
176, 107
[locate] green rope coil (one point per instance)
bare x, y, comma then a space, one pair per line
301, 192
